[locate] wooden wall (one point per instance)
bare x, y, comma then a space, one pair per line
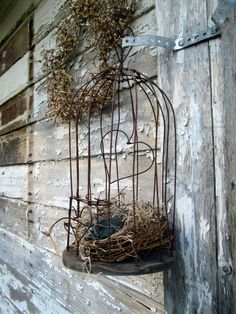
34, 186
200, 81
34, 181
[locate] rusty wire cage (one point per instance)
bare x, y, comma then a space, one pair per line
122, 177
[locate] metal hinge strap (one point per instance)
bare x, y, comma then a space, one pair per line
184, 42
149, 40
219, 17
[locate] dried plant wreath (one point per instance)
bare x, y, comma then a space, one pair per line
105, 22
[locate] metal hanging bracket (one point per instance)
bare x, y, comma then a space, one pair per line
219, 17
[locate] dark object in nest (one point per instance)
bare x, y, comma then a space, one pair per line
104, 229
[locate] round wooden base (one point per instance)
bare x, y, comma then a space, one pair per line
156, 261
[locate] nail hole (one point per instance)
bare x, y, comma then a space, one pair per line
204, 34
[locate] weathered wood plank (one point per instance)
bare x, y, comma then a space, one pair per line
30, 220
39, 105
7, 306
14, 113
25, 296
13, 216
143, 6
150, 285
46, 16
82, 66
223, 80
38, 218
47, 43
11, 21
60, 287
53, 289
41, 217
13, 147
15, 79
51, 141
13, 181
190, 286
49, 182
15, 48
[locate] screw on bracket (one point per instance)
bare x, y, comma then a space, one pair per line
168, 43
196, 38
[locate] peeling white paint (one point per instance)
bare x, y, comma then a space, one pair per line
204, 228
58, 152
13, 181
36, 171
60, 132
49, 42
83, 72
49, 185
45, 14
15, 79
101, 290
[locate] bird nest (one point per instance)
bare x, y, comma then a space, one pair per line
120, 231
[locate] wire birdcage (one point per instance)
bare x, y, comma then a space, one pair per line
123, 183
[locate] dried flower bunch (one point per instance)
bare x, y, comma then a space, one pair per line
105, 22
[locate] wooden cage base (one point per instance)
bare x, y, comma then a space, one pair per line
156, 261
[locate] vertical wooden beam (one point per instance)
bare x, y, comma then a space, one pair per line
191, 285
223, 82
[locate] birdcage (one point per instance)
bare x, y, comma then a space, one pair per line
122, 175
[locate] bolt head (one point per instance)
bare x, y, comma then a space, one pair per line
181, 42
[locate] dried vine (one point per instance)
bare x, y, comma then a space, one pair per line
105, 22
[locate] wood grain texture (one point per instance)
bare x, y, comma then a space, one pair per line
34, 195
13, 148
15, 79
48, 140
49, 182
223, 82
15, 48
30, 221
13, 110
191, 285
14, 113
40, 283
13, 216
13, 181
11, 21
47, 15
